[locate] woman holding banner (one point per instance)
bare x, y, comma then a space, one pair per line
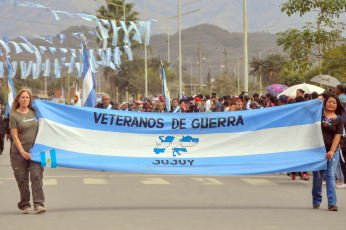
23, 126
332, 129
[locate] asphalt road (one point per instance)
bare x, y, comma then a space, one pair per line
81, 199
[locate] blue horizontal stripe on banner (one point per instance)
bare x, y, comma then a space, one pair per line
294, 161
106, 120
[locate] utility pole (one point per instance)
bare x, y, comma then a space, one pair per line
238, 75
211, 83
220, 66
226, 60
168, 49
246, 90
180, 56
191, 76
145, 50
200, 68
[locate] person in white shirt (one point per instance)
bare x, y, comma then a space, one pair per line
208, 104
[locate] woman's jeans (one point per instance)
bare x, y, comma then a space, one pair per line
330, 182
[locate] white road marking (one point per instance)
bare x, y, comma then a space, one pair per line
259, 182
154, 181
208, 181
50, 182
95, 181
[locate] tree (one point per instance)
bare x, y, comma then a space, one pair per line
116, 12
310, 44
269, 68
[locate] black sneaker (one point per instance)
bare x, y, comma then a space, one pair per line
333, 207
316, 206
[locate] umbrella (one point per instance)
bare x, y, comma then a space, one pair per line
275, 89
326, 80
291, 91
139, 102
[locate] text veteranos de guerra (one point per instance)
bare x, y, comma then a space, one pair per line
174, 123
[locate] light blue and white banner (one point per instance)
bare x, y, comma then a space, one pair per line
279, 139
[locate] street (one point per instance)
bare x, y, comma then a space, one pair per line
82, 199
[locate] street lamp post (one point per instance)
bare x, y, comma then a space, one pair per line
246, 80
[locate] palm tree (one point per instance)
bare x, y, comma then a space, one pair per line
114, 10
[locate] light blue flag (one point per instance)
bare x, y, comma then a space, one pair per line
28, 69
73, 52
2, 75
48, 38
27, 48
11, 67
115, 33
89, 82
42, 49
165, 90
23, 69
102, 55
112, 66
105, 22
57, 68
108, 56
137, 35
168, 143
27, 42
16, 46
141, 30
80, 55
7, 49
11, 96
6, 39
38, 63
78, 35
70, 68
148, 28
62, 60
116, 56
126, 33
94, 64
52, 49
79, 67
61, 38
34, 71
95, 34
46, 72
129, 52
103, 31
104, 44
63, 50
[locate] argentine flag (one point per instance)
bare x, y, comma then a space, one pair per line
48, 159
165, 91
89, 82
11, 90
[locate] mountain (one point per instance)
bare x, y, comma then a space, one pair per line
262, 15
213, 41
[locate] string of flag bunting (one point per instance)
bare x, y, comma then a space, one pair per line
105, 54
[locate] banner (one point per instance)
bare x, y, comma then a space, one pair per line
279, 139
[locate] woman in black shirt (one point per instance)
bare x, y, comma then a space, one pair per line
332, 129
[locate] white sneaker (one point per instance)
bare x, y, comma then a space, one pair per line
26, 211
341, 186
39, 209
